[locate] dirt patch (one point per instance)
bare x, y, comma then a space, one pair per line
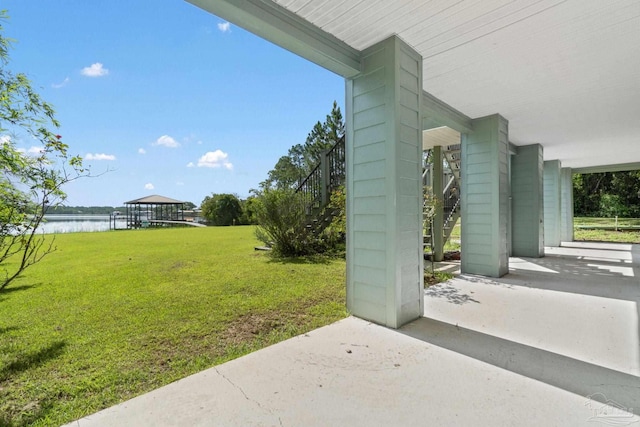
430, 280
250, 326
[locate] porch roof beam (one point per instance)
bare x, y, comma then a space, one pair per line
623, 167
287, 30
437, 113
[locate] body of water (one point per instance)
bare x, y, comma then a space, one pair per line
53, 224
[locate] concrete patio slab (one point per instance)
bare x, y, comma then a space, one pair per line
554, 343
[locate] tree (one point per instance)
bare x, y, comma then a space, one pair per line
30, 183
301, 159
607, 194
222, 209
249, 208
282, 214
189, 206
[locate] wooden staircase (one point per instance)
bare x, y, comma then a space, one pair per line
450, 194
317, 187
329, 175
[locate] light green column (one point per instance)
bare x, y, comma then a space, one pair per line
566, 205
485, 197
527, 235
437, 187
384, 186
552, 199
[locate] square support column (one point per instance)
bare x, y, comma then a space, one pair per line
566, 205
485, 197
552, 203
385, 276
527, 231
437, 233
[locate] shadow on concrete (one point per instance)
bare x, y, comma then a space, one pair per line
582, 378
584, 273
450, 293
583, 270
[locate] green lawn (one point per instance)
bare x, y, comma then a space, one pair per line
581, 234
111, 315
622, 222
602, 235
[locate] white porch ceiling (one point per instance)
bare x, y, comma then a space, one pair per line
565, 73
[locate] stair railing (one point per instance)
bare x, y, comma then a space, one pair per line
326, 177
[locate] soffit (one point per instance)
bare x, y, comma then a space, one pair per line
565, 73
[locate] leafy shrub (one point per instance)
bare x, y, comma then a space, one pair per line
284, 225
222, 209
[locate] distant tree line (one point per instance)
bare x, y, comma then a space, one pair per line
607, 194
84, 210
97, 210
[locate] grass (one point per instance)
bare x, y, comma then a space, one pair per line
453, 244
111, 315
606, 235
581, 234
622, 222
594, 235
437, 277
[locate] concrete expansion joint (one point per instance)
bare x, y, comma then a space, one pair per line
241, 390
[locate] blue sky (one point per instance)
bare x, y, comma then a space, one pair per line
170, 99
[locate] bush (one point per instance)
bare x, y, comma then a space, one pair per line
222, 209
284, 225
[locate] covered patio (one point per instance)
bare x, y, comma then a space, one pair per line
497, 352
536, 91
537, 330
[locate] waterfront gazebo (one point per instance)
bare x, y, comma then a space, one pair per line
153, 211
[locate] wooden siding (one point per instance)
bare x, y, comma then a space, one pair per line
384, 266
485, 197
526, 192
566, 205
552, 203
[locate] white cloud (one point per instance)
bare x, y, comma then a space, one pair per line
32, 150
62, 84
224, 27
191, 165
215, 159
94, 70
180, 183
167, 141
99, 156
142, 151
35, 150
149, 186
5, 139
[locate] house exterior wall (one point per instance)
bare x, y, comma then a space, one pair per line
527, 201
485, 197
566, 205
552, 200
384, 207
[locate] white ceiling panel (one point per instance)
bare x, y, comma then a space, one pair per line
565, 73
